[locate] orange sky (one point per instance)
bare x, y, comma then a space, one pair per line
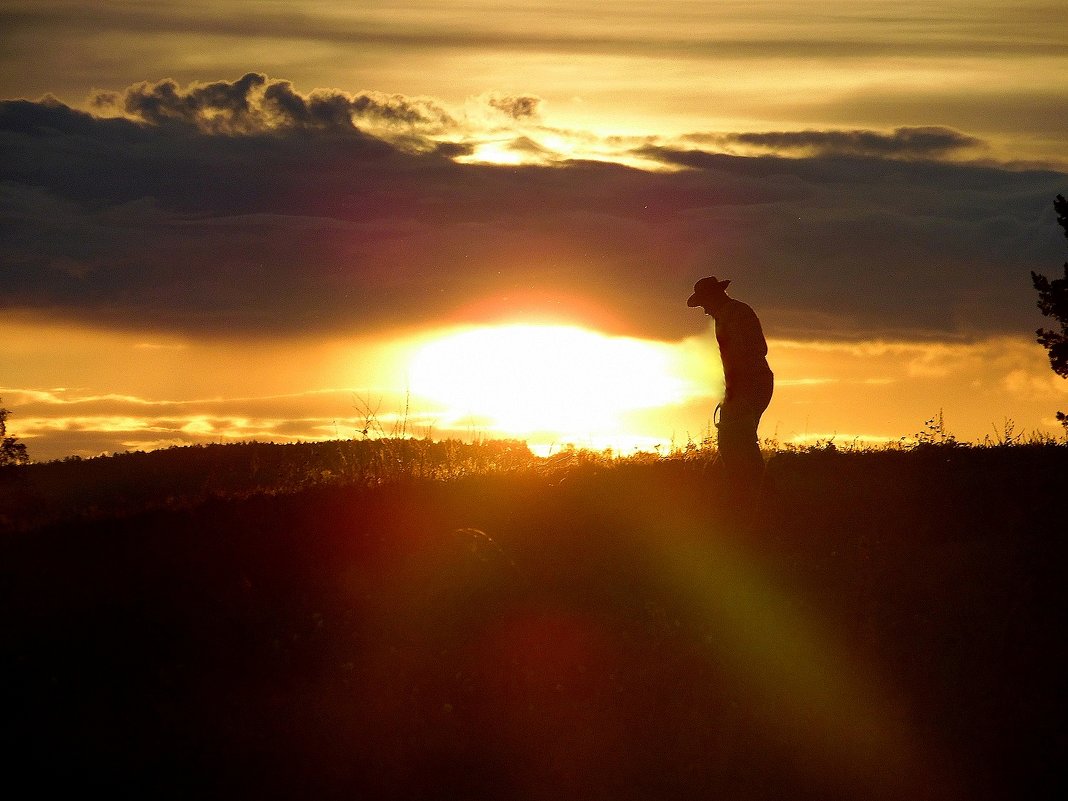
86, 392
195, 256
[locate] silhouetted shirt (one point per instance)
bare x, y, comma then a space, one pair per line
742, 346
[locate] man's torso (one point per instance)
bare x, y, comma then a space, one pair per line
742, 346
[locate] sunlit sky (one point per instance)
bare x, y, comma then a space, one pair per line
259, 220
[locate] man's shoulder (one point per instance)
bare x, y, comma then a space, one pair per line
739, 308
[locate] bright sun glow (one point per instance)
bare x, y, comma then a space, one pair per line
536, 379
496, 153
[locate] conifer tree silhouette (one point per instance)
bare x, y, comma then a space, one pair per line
11, 450
1053, 302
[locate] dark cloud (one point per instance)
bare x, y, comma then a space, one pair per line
930, 142
522, 107
256, 104
222, 101
243, 226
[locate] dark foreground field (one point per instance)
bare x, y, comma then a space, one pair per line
891, 626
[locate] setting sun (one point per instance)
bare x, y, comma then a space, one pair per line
545, 379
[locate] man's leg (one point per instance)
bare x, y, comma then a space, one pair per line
738, 445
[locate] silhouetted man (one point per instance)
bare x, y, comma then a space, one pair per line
749, 380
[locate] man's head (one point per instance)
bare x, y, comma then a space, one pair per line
708, 293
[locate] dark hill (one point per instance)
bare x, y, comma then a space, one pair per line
886, 625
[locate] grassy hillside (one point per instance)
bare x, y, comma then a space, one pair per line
251, 622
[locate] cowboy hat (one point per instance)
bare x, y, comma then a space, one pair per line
705, 289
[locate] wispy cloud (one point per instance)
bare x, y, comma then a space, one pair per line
825, 29
928, 142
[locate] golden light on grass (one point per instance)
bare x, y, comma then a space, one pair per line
524, 379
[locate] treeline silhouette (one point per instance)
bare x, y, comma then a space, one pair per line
885, 625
